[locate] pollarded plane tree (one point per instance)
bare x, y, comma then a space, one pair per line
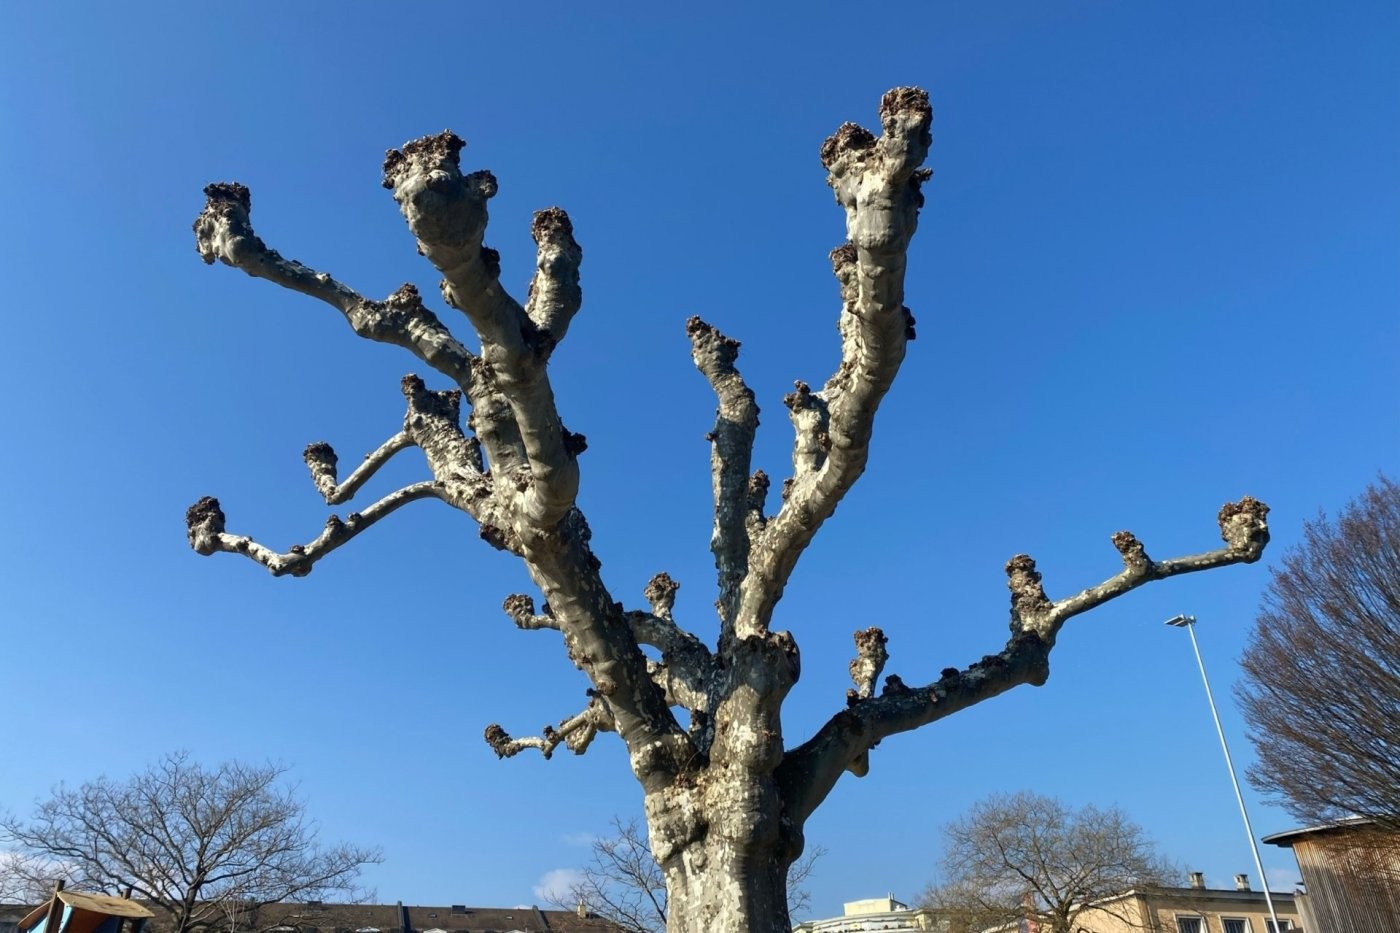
725, 799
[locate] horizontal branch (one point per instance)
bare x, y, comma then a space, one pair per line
205, 522
576, 732
809, 771
224, 232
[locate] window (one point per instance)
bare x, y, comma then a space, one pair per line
1234, 924
1285, 924
1189, 925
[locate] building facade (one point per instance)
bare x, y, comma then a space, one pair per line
875, 915
1192, 909
1351, 870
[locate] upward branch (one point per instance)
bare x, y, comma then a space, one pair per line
877, 181
731, 451
446, 211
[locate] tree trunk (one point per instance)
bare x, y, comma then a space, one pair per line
725, 850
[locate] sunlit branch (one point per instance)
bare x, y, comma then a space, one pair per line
223, 232
809, 771
576, 732
321, 459
446, 212
877, 180
205, 521
731, 450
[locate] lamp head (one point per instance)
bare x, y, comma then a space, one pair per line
1181, 621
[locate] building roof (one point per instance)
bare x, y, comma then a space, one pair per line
89, 903
406, 918
1287, 838
315, 917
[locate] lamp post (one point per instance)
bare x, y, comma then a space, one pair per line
1189, 623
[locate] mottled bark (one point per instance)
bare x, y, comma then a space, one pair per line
725, 802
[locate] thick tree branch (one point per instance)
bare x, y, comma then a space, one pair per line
446, 211
809, 771
576, 732
205, 521
433, 423
686, 663
224, 232
878, 182
731, 451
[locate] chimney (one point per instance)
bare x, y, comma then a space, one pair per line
1198, 880
581, 910
1241, 882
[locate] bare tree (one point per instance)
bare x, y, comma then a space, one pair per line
624, 884
726, 799
1321, 687
27, 879
1029, 857
193, 842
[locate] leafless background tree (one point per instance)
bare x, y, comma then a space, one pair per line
726, 796
27, 879
1321, 686
193, 842
623, 883
1030, 857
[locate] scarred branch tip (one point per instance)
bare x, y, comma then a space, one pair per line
499, 740
843, 256
320, 454
1131, 549
660, 593
758, 490
1244, 527
849, 137
204, 522
431, 151
552, 224
869, 661
229, 191
1028, 599
707, 341
902, 101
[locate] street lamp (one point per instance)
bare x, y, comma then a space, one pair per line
1189, 623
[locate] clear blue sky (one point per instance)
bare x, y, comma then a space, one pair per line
1157, 270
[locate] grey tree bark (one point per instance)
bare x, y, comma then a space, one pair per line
726, 799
